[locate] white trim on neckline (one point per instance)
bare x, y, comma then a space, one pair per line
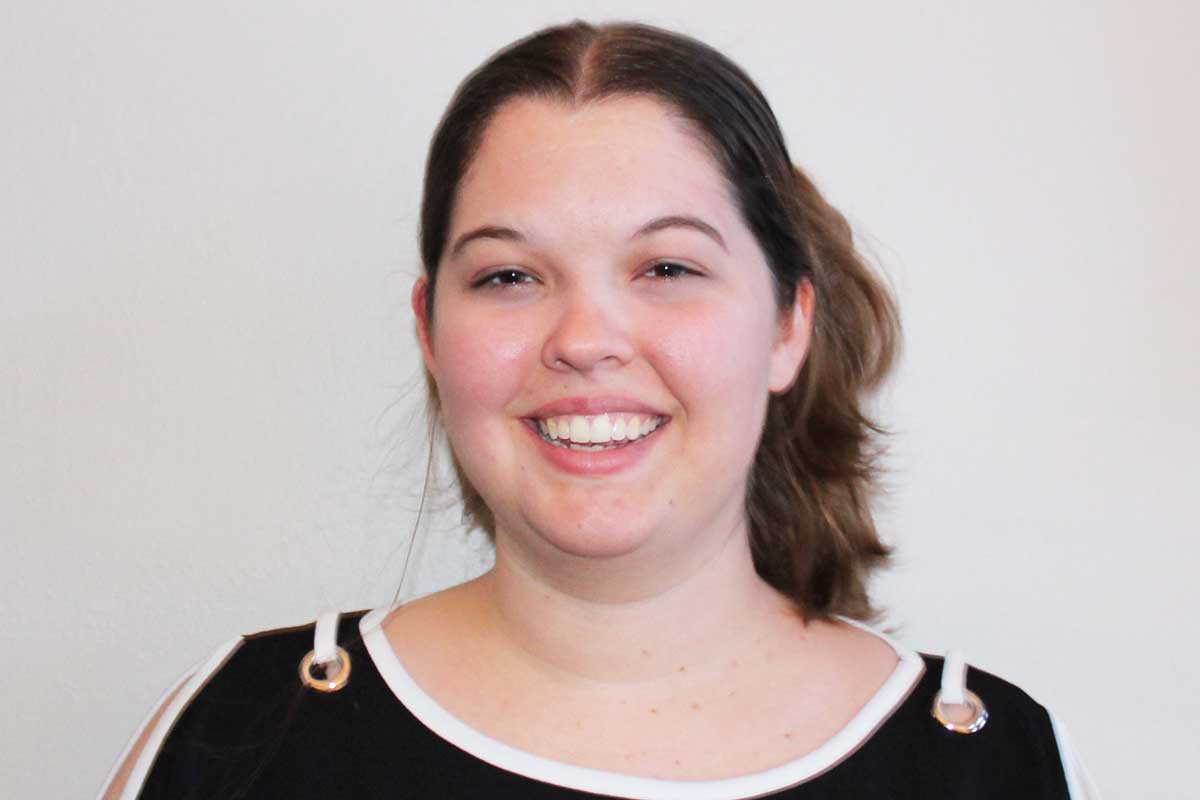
841, 745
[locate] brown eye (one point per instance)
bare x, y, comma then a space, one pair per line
501, 278
669, 270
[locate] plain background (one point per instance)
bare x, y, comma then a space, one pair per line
208, 376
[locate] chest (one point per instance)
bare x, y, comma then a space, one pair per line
714, 727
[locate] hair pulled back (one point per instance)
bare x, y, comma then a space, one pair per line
814, 472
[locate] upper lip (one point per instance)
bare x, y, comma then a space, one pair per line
588, 406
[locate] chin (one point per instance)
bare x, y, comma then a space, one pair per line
597, 545
594, 535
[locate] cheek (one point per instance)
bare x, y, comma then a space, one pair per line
715, 363
480, 364
715, 356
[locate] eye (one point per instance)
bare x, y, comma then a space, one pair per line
501, 278
669, 270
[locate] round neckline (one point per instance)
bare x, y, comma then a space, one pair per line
431, 714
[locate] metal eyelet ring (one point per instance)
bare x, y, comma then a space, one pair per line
330, 683
978, 719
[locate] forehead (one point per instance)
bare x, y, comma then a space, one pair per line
611, 163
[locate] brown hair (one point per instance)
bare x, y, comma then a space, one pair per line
808, 499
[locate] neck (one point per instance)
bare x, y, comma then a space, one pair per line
607, 623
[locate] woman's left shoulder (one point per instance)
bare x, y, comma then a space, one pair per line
985, 728
959, 730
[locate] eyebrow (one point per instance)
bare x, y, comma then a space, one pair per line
653, 226
682, 221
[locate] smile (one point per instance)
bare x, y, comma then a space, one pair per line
600, 432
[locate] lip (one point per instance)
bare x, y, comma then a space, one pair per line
593, 463
590, 406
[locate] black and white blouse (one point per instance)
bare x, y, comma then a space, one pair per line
248, 723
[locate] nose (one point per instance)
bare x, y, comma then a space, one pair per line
589, 333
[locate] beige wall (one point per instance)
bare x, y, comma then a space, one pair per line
207, 240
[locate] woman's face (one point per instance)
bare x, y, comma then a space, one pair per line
597, 282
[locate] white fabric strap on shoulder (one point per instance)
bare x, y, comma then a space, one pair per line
955, 707
954, 678
325, 638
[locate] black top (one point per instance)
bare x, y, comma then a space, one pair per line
256, 731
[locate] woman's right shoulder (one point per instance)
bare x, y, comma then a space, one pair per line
222, 699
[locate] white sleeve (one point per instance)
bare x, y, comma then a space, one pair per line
1079, 783
183, 690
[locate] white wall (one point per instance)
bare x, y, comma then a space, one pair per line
207, 237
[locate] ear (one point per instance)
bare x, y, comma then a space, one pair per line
419, 291
794, 337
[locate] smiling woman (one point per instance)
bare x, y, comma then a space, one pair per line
635, 288
648, 339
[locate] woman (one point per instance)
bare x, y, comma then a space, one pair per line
648, 339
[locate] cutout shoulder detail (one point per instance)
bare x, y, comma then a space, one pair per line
1079, 783
180, 694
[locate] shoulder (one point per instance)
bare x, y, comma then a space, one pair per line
259, 668
1022, 730
233, 714
1010, 748
267, 662
1006, 708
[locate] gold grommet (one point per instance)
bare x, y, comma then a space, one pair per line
330, 683
977, 720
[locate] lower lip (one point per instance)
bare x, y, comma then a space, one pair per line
594, 462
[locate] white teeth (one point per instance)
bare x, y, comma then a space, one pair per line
601, 431
580, 430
